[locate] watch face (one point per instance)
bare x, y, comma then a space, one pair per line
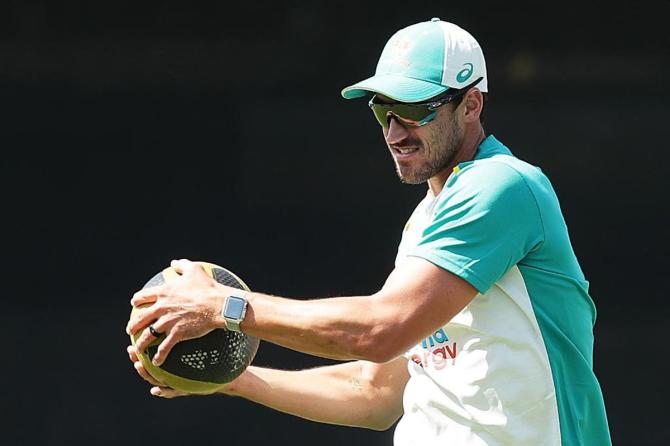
234, 307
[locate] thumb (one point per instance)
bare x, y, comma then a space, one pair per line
183, 266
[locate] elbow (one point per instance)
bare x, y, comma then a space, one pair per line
377, 346
380, 338
380, 355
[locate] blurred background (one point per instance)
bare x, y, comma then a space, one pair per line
138, 132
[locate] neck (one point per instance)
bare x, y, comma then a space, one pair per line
471, 142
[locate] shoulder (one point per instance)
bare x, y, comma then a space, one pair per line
501, 177
500, 171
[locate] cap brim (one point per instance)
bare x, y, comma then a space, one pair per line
399, 88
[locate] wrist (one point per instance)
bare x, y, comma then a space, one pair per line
234, 388
220, 301
232, 309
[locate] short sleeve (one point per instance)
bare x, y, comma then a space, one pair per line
485, 221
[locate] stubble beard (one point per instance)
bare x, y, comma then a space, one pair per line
439, 149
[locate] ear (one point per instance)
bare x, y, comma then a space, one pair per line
473, 103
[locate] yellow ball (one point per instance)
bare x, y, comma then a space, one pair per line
201, 365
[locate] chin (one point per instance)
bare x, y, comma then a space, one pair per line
408, 175
410, 179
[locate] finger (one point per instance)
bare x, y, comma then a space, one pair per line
146, 295
164, 324
165, 347
161, 326
132, 353
166, 392
145, 375
139, 368
143, 317
183, 265
144, 340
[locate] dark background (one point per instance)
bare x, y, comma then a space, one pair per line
138, 132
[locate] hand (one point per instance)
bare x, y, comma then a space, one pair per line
185, 308
158, 389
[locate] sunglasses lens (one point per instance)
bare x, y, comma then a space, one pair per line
409, 115
381, 113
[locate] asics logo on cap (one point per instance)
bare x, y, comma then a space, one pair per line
465, 73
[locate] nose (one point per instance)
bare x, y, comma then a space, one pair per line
396, 132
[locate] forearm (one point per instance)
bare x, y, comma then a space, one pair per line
342, 328
417, 298
344, 394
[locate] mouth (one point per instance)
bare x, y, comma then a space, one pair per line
401, 153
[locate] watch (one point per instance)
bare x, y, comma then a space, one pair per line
234, 309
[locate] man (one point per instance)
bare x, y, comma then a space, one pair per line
482, 335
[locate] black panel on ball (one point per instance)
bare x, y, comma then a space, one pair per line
218, 357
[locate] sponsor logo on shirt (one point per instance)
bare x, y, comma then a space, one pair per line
436, 351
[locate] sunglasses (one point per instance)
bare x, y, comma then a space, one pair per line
413, 114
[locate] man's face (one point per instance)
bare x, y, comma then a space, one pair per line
422, 152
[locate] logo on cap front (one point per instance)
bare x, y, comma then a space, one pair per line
465, 73
399, 52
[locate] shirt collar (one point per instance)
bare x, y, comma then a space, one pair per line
490, 147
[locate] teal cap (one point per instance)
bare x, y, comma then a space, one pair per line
422, 61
